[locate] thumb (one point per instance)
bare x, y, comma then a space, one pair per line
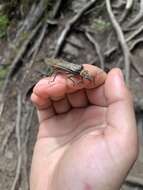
120, 113
120, 103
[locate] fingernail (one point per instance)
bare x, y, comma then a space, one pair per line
120, 74
120, 83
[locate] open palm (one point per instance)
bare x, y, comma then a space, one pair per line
87, 138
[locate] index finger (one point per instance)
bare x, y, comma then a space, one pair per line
63, 85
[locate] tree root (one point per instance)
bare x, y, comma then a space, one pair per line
135, 67
16, 64
138, 17
135, 34
68, 27
34, 51
121, 40
18, 122
128, 8
135, 43
26, 124
29, 23
134, 181
35, 14
97, 48
6, 139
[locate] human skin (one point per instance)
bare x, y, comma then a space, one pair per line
87, 138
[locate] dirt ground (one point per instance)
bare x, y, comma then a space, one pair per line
18, 122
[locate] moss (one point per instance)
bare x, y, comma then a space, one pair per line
100, 25
4, 22
3, 73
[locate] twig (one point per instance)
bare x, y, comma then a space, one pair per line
128, 8
2, 105
97, 48
56, 8
134, 181
18, 121
34, 50
98, 9
129, 4
26, 124
38, 43
131, 48
119, 4
109, 39
16, 63
109, 52
135, 43
121, 39
135, 67
138, 17
135, 33
35, 13
68, 27
38, 12
78, 46
6, 139
22, 51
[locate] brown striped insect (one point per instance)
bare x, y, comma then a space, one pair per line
57, 65
54, 66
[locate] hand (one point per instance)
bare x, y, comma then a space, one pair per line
87, 138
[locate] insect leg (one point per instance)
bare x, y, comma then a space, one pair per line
54, 74
71, 77
53, 77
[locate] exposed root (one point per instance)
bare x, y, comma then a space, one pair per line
37, 44
18, 122
97, 48
135, 34
109, 52
135, 67
56, 8
128, 8
134, 181
6, 139
2, 105
69, 25
119, 4
33, 17
17, 63
121, 40
35, 14
26, 124
135, 43
138, 17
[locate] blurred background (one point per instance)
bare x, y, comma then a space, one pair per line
103, 33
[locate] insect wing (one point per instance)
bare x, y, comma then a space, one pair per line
64, 65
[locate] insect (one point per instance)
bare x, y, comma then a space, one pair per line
55, 66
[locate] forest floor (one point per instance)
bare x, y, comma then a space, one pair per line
92, 39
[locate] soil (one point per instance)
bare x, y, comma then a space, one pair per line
77, 49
